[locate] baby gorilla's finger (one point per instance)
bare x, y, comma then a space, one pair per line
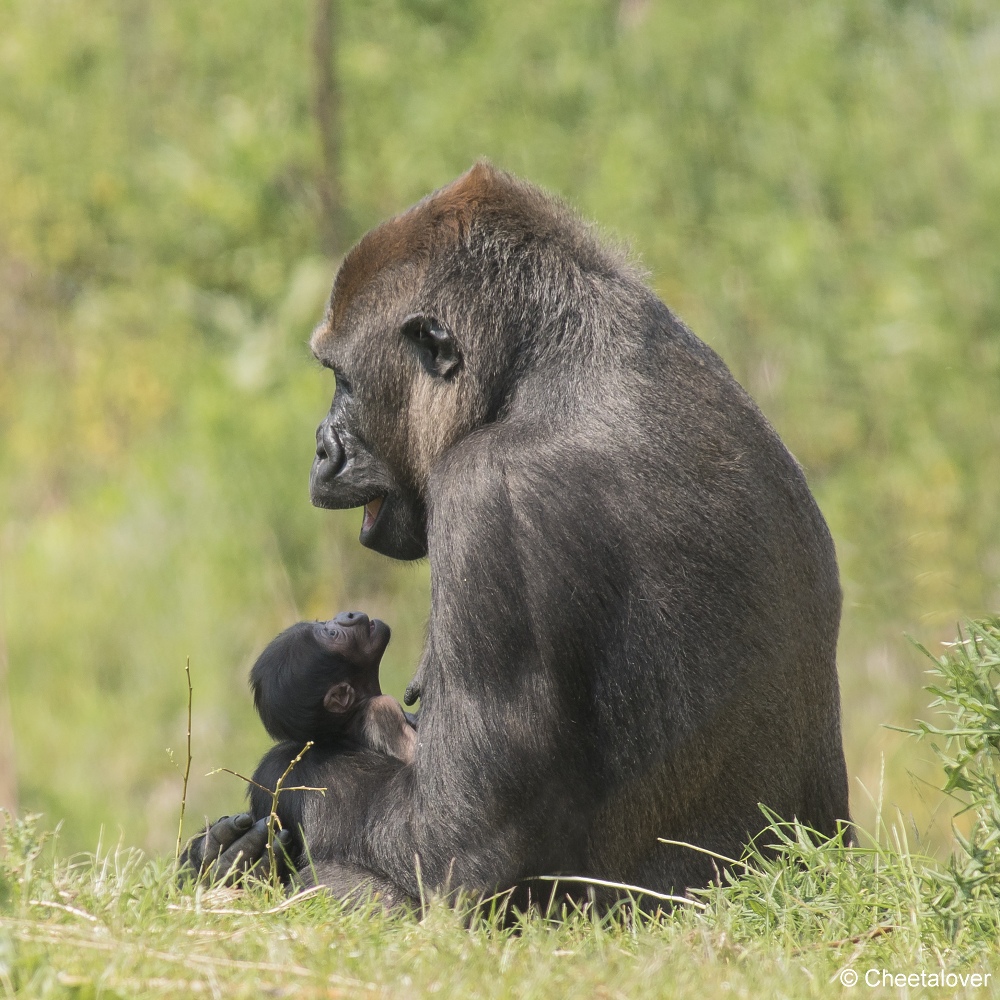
202, 851
220, 835
247, 851
249, 857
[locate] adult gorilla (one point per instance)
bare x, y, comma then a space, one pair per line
634, 598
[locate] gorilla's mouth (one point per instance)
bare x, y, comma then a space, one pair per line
371, 513
394, 524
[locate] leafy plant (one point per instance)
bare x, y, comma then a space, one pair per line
967, 693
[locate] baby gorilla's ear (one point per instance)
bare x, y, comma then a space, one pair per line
339, 698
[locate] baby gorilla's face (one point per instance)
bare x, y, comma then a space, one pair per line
313, 678
359, 642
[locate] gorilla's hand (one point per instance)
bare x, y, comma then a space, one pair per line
232, 848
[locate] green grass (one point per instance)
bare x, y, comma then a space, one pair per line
795, 922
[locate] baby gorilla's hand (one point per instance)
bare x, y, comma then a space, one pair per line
230, 849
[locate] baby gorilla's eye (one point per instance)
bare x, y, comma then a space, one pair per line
327, 632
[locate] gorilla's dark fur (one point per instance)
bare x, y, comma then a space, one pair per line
634, 598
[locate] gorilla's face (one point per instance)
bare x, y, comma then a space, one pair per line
419, 364
350, 645
348, 471
396, 408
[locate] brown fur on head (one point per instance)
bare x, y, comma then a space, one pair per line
385, 277
432, 226
434, 319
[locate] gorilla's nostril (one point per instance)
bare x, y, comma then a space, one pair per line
329, 449
349, 618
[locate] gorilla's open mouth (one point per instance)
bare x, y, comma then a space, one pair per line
394, 524
371, 514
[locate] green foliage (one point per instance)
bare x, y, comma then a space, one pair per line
812, 186
968, 692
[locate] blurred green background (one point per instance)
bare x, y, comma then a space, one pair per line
813, 186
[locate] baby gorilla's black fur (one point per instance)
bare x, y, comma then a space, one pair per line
318, 681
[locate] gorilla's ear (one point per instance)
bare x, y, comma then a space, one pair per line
339, 698
435, 346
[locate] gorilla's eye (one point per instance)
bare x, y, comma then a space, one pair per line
343, 383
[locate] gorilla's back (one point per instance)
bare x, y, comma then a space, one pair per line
728, 583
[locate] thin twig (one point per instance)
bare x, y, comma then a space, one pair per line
264, 788
856, 939
703, 850
65, 908
187, 762
273, 823
280, 908
625, 887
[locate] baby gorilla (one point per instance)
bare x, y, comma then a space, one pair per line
319, 681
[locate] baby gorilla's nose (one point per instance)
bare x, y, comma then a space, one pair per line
350, 619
